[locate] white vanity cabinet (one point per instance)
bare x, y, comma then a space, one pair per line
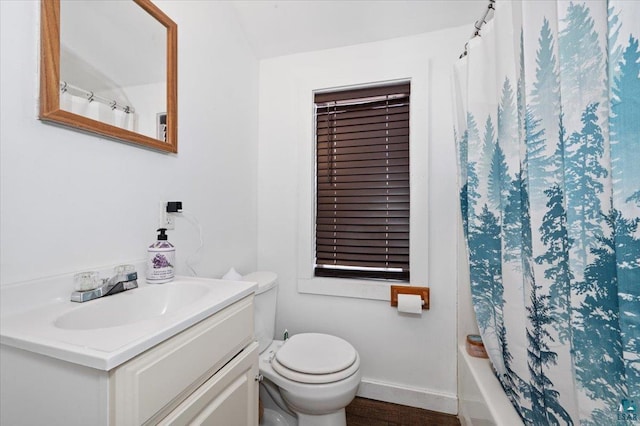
227, 398
204, 375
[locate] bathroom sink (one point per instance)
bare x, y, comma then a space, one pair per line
105, 332
132, 306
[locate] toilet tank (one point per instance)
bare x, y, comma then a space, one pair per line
265, 306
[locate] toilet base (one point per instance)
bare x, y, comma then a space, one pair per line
274, 418
338, 418
275, 414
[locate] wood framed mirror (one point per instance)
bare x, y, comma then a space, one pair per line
126, 90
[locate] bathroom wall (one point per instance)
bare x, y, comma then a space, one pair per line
404, 359
72, 201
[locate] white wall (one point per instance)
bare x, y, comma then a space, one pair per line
71, 201
404, 359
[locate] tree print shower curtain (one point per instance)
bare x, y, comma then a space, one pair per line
548, 140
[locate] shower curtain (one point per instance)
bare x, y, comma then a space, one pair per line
99, 111
548, 140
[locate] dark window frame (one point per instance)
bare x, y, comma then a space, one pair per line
362, 183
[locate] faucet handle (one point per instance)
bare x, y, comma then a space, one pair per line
88, 280
124, 269
125, 273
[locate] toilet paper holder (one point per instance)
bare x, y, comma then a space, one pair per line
423, 292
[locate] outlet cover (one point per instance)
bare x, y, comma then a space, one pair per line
167, 220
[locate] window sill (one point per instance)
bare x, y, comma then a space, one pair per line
341, 287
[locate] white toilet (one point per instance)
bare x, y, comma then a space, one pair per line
311, 377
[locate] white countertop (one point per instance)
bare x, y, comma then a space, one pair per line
29, 314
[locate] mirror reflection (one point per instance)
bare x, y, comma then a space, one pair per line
110, 68
113, 65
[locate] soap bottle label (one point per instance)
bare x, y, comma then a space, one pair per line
160, 267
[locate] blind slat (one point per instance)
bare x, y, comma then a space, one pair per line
364, 235
365, 199
325, 114
390, 164
356, 221
363, 192
338, 108
372, 134
338, 155
328, 251
362, 127
357, 243
367, 262
361, 177
356, 185
374, 143
368, 173
323, 271
322, 227
368, 151
389, 207
331, 120
363, 214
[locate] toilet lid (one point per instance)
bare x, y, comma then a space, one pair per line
315, 358
316, 353
315, 378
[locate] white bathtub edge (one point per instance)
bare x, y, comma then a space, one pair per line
497, 403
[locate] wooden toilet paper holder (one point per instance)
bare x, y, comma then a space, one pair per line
423, 292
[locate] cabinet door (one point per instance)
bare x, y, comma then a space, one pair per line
152, 384
229, 398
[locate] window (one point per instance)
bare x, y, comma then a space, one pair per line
362, 183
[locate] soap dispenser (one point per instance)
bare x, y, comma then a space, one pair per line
161, 261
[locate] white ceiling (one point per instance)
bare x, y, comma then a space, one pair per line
276, 28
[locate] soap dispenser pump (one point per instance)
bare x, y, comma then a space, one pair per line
161, 261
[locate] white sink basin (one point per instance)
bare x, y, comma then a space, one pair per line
132, 306
106, 332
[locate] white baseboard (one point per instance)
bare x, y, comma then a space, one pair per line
412, 397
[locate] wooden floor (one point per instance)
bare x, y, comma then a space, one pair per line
367, 412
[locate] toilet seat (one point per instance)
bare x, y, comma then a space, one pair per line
316, 358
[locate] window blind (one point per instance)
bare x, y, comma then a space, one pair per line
362, 192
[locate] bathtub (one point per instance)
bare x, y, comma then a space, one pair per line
481, 399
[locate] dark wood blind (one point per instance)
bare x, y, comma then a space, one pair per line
362, 194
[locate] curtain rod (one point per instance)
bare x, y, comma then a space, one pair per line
478, 25
90, 96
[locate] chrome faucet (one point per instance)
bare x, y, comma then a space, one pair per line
125, 278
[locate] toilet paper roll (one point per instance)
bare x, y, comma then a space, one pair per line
409, 303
